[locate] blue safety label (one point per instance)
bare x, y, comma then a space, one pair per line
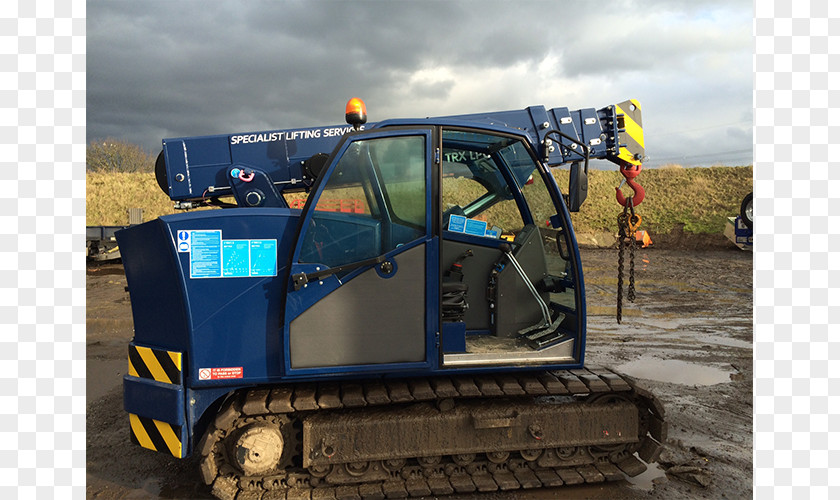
473, 227
206, 254
263, 257
476, 227
213, 257
236, 262
183, 241
457, 223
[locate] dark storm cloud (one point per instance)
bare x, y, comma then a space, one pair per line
164, 69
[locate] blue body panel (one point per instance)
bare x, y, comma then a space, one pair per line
220, 323
156, 400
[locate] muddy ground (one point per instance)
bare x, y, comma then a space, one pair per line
688, 337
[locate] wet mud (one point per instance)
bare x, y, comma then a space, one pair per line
687, 337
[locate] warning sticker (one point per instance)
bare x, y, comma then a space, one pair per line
214, 257
183, 241
219, 373
206, 254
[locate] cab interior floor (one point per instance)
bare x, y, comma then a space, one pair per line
483, 344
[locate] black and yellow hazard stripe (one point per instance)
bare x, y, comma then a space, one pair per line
633, 137
154, 364
156, 435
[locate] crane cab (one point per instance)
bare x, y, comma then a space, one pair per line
440, 264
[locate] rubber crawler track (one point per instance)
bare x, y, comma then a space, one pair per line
446, 477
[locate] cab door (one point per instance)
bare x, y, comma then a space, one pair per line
360, 289
521, 307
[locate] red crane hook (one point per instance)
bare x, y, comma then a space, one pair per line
630, 171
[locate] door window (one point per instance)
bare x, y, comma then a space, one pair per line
373, 202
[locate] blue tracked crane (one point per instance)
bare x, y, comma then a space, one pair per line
372, 312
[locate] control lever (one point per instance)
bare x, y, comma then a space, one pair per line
507, 250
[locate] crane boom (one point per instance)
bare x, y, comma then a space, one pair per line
195, 170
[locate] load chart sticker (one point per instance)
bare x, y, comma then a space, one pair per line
213, 257
263, 257
236, 259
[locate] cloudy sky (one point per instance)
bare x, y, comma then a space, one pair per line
158, 69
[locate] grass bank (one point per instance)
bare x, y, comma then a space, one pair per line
697, 200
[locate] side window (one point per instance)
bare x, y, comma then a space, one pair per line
401, 165
373, 202
538, 199
473, 185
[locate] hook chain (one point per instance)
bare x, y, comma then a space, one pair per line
628, 221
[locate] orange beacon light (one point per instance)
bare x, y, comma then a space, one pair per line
355, 113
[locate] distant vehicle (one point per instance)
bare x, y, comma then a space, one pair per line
747, 211
739, 229
102, 244
101, 241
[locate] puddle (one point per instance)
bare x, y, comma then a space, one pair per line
646, 480
674, 371
694, 338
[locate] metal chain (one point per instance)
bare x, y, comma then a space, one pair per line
622, 235
627, 221
633, 222
631, 287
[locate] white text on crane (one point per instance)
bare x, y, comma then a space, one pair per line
289, 135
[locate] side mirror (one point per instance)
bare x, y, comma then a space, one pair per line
578, 186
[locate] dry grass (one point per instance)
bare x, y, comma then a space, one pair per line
109, 196
700, 199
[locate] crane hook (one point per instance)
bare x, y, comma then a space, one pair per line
630, 171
